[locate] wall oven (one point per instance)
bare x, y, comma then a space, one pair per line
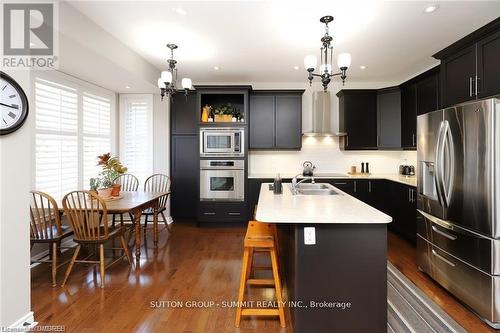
222, 180
222, 142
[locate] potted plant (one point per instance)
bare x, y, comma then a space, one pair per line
104, 184
224, 112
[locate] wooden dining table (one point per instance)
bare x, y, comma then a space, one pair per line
135, 202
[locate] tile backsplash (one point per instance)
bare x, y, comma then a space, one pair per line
325, 154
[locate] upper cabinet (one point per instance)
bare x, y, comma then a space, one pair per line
408, 115
358, 119
418, 96
488, 65
276, 120
470, 68
389, 118
183, 114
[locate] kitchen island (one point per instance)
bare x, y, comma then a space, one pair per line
333, 252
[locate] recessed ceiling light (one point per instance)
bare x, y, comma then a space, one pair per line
362, 67
32, 44
127, 87
216, 68
296, 68
431, 8
180, 11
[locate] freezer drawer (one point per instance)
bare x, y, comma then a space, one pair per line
479, 251
478, 290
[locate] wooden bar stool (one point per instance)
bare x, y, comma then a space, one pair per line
259, 236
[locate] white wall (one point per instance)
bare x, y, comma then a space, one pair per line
15, 183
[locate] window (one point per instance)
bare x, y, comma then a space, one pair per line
73, 124
136, 134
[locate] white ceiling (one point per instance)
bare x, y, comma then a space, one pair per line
261, 41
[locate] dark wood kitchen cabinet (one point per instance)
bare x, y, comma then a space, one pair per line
185, 173
459, 72
389, 118
427, 91
488, 65
419, 95
358, 119
408, 116
470, 68
276, 120
183, 114
402, 206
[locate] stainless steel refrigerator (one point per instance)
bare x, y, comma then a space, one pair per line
458, 218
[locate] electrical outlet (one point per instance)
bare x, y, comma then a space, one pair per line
309, 235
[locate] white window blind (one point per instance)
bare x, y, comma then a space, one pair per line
136, 134
96, 133
56, 155
72, 127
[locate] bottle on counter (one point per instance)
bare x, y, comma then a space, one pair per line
362, 167
277, 186
367, 167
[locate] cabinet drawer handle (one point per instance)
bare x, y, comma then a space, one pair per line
339, 183
437, 255
208, 213
370, 186
235, 213
470, 86
444, 234
477, 85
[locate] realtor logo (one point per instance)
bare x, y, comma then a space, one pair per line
28, 35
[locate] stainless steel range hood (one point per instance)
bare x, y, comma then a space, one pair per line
322, 115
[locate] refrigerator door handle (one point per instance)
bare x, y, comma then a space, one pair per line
444, 234
449, 154
438, 167
437, 255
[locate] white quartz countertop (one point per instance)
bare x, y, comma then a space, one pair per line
407, 180
315, 209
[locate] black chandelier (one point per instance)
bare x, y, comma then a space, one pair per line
168, 79
311, 61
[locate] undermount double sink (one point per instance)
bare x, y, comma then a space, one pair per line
316, 189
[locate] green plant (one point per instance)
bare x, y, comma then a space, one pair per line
225, 108
111, 168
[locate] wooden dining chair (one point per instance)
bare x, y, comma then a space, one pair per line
46, 227
129, 183
88, 216
157, 183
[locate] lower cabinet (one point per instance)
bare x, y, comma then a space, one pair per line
402, 207
213, 211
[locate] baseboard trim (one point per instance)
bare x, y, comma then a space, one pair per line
25, 322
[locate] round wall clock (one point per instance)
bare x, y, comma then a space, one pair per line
13, 105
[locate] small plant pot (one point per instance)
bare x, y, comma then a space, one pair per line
223, 118
93, 192
105, 193
115, 190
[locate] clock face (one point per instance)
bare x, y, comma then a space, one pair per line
13, 105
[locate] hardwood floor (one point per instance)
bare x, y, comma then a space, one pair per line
191, 264
402, 255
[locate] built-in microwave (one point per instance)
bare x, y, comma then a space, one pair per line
222, 142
